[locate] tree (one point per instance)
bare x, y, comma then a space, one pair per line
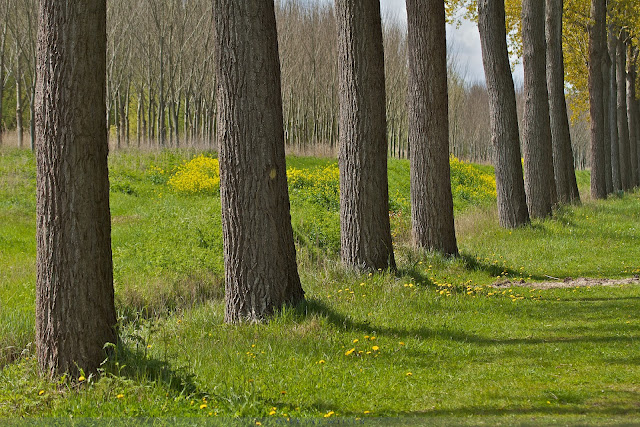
259, 253
632, 113
616, 179
623, 123
75, 313
563, 167
538, 159
505, 137
364, 196
431, 198
597, 43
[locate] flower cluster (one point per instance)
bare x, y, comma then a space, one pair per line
200, 175
470, 184
319, 185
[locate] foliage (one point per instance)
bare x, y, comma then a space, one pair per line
200, 175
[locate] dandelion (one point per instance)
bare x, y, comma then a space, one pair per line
41, 392
204, 405
81, 378
348, 352
120, 396
321, 361
367, 412
375, 348
328, 414
355, 340
409, 374
272, 412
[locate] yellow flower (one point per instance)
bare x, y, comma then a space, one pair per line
321, 361
272, 412
81, 378
409, 374
328, 414
367, 412
356, 340
204, 405
120, 396
41, 392
375, 348
348, 352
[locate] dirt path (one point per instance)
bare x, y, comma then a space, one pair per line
569, 282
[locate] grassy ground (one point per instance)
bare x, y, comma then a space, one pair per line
433, 340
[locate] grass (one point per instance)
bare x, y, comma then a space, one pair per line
433, 340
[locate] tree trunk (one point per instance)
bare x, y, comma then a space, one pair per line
18, 78
563, 166
2, 53
431, 198
259, 253
364, 196
75, 313
616, 179
597, 37
505, 137
632, 113
623, 123
538, 154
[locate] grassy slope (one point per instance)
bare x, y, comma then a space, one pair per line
446, 344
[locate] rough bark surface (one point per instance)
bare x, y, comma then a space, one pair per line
563, 166
596, 105
505, 137
632, 113
259, 253
606, 104
538, 154
365, 230
431, 198
75, 314
623, 122
616, 179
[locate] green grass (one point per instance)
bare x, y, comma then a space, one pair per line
448, 347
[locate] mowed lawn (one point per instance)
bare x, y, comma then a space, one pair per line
433, 341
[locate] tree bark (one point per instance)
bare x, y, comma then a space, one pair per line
623, 122
505, 136
259, 253
597, 37
431, 198
18, 79
616, 179
75, 313
563, 166
364, 195
632, 113
606, 102
538, 154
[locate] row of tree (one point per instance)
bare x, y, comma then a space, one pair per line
161, 81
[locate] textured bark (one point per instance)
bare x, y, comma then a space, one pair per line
505, 137
606, 103
616, 179
563, 166
259, 253
431, 198
632, 113
623, 123
596, 105
538, 155
75, 314
364, 196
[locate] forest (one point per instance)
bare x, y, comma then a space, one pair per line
263, 212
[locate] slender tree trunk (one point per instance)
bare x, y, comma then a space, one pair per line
431, 198
538, 154
606, 102
2, 56
505, 137
32, 117
18, 78
364, 196
597, 37
616, 179
75, 313
632, 113
259, 253
563, 167
623, 123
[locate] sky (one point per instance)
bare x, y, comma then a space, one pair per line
464, 42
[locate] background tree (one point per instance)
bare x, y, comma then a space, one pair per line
632, 113
365, 229
75, 313
259, 254
505, 137
616, 179
623, 122
563, 166
431, 198
597, 42
538, 159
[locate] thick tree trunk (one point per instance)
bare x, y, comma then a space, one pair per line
431, 198
623, 122
632, 113
538, 154
364, 196
505, 137
597, 37
75, 314
616, 179
563, 167
259, 253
